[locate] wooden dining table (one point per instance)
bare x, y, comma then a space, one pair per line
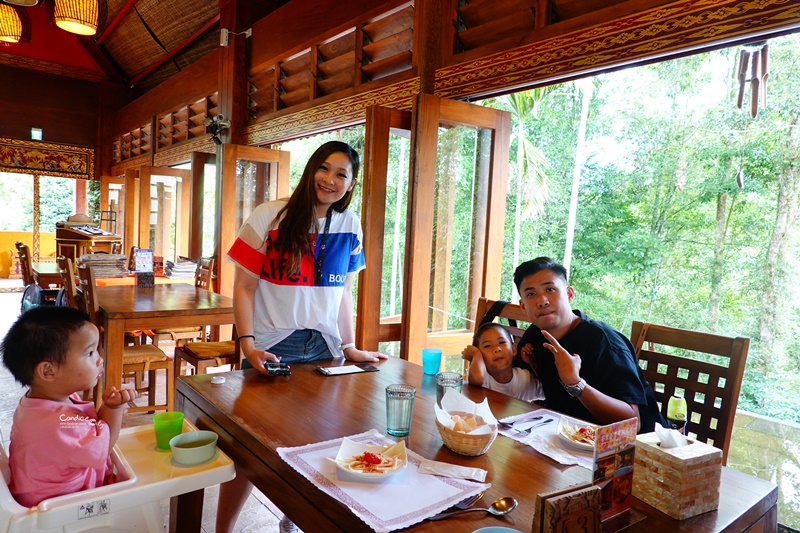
46, 274
127, 308
255, 415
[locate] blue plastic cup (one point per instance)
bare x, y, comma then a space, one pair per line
431, 360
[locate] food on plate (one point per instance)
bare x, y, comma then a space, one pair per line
372, 463
580, 434
465, 423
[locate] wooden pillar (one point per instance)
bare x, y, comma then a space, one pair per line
81, 205
233, 104
198, 163
434, 33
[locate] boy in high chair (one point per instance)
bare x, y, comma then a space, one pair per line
59, 443
490, 357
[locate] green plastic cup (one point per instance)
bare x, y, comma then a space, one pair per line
167, 425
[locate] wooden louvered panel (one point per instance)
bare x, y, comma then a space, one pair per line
263, 78
337, 47
197, 131
181, 115
297, 81
342, 80
387, 67
296, 97
199, 108
337, 64
390, 25
296, 65
263, 96
197, 120
479, 12
396, 44
498, 29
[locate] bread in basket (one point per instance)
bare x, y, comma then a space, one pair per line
471, 444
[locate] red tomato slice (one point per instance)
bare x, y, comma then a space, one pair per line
372, 458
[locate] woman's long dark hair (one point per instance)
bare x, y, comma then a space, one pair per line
299, 215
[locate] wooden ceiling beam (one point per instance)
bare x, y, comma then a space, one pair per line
114, 23
111, 71
175, 50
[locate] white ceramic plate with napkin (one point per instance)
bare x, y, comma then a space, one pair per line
576, 434
367, 462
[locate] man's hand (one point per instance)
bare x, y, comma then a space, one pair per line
363, 356
114, 399
470, 352
568, 366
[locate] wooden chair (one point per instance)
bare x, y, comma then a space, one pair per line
23, 253
709, 382
202, 279
513, 313
68, 281
137, 359
510, 312
204, 355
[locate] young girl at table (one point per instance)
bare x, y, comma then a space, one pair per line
490, 357
296, 260
59, 443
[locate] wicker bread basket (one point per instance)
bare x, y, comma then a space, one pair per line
463, 443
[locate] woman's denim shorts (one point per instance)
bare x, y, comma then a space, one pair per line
301, 346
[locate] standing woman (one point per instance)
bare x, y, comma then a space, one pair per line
292, 295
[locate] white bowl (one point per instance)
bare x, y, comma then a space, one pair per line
194, 447
350, 448
567, 430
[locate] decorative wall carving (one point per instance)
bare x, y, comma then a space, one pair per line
29, 157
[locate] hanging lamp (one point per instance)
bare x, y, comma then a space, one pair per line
77, 16
23, 3
10, 24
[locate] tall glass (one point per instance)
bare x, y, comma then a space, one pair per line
399, 408
447, 380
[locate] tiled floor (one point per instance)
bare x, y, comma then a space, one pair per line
258, 515
763, 447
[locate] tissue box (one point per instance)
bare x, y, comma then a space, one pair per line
680, 482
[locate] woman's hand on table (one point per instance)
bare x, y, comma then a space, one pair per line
259, 358
363, 356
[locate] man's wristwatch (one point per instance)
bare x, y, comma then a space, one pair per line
576, 389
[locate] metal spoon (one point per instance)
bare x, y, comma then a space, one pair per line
499, 507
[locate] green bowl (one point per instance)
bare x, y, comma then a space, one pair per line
194, 447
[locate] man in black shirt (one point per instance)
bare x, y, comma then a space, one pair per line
587, 368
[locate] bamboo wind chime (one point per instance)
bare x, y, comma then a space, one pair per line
757, 63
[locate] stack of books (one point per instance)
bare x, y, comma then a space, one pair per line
106, 265
180, 269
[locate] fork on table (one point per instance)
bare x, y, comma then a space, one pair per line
466, 503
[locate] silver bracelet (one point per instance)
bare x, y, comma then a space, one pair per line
348, 345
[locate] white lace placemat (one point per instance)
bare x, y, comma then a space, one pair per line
401, 500
544, 439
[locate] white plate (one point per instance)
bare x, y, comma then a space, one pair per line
568, 425
351, 448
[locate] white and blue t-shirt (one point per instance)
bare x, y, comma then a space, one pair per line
286, 302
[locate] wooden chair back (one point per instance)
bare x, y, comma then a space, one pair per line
710, 380
68, 280
203, 276
24, 255
89, 292
509, 311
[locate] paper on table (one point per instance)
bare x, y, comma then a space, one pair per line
404, 499
438, 468
544, 440
454, 402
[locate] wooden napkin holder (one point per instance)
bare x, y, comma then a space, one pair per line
680, 482
145, 280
